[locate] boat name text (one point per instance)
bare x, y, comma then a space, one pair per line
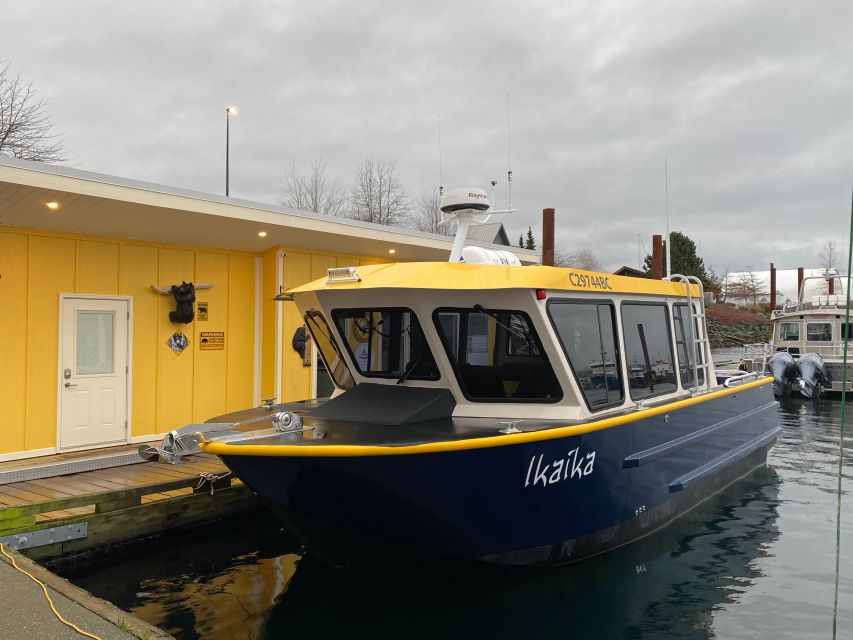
589, 282
574, 466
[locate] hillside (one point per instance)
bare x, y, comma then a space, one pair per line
732, 327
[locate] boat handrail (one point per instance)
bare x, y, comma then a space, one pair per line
699, 343
733, 381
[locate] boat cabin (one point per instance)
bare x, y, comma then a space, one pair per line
510, 342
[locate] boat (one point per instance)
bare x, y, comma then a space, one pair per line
805, 354
466, 420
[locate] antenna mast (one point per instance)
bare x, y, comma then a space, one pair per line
440, 177
508, 154
668, 254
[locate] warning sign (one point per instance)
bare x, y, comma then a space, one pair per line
211, 341
201, 311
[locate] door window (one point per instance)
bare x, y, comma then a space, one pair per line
94, 354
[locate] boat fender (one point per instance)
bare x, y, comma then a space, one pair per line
784, 371
812, 375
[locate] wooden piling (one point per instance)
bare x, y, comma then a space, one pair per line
657, 257
800, 276
548, 237
772, 287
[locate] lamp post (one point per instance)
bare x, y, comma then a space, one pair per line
229, 111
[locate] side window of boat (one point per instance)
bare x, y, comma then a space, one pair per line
819, 331
648, 349
328, 348
846, 331
683, 348
386, 343
789, 331
587, 331
497, 355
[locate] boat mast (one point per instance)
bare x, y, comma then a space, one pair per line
668, 254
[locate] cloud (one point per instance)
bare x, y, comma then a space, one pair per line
747, 101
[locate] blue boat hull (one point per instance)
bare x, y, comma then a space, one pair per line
541, 503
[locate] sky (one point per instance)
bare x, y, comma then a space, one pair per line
742, 107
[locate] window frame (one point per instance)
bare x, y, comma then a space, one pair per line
831, 332
670, 342
797, 324
386, 376
616, 338
453, 359
314, 313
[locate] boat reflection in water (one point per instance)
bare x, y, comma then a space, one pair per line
665, 586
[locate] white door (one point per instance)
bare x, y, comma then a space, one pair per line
93, 372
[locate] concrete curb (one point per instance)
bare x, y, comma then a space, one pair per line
107, 611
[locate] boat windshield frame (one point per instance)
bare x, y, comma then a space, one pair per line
340, 373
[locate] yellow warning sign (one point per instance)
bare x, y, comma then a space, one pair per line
211, 341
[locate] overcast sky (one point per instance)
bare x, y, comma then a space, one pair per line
750, 101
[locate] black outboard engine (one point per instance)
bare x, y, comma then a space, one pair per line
784, 370
812, 375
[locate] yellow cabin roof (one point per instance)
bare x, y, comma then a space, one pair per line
460, 276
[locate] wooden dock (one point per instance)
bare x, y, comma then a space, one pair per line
117, 504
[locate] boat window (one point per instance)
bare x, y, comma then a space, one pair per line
846, 331
683, 348
328, 348
386, 343
789, 331
497, 355
587, 331
649, 349
819, 331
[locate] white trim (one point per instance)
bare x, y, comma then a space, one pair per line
151, 437
22, 455
279, 321
128, 375
259, 325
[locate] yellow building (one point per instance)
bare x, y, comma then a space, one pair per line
86, 359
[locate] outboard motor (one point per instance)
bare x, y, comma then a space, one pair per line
812, 375
784, 370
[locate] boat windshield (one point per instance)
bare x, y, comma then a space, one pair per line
328, 349
386, 343
497, 355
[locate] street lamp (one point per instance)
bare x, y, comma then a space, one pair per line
229, 111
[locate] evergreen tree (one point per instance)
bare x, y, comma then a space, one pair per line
685, 260
530, 243
521, 241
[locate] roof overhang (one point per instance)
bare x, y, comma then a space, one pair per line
96, 204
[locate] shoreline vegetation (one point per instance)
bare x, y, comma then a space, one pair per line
730, 326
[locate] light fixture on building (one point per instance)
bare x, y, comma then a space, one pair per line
262, 234
53, 206
392, 251
229, 111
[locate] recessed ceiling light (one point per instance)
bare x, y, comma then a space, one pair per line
262, 234
53, 206
392, 251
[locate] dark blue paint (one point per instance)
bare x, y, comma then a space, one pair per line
475, 503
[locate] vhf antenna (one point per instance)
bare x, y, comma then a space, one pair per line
508, 154
440, 177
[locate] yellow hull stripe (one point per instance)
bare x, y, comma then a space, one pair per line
347, 450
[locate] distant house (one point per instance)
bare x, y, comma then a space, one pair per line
491, 233
629, 271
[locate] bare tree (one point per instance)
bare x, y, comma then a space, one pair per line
377, 195
25, 129
427, 215
579, 259
748, 286
828, 255
311, 191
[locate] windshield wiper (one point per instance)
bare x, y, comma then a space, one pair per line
408, 371
518, 334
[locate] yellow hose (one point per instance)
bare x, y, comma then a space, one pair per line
47, 595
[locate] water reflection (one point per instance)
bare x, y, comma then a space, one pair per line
757, 561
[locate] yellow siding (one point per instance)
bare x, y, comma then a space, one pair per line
137, 271
168, 390
13, 327
51, 269
240, 337
296, 383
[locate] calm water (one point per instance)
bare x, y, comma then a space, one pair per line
756, 562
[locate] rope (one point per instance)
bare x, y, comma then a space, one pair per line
47, 595
211, 478
841, 431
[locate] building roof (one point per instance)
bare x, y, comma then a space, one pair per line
456, 276
98, 204
491, 233
625, 270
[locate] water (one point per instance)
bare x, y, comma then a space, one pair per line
755, 562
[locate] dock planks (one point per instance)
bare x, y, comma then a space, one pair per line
122, 502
